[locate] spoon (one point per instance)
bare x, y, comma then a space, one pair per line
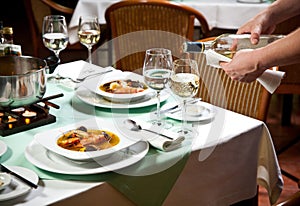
132, 125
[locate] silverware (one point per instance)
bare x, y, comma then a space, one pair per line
132, 125
58, 77
192, 101
23, 179
93, 74
78, 80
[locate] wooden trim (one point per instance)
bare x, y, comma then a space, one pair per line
58, 7
288, 89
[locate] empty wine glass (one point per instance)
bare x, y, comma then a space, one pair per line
55, 33
89, 33
156, 71
184, 83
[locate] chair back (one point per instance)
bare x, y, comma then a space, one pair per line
35, 11
217, 88
138, 25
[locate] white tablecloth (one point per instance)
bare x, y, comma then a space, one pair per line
231, 155
225, 14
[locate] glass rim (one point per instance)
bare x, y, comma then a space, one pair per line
185, 59
88, 17
182, 62
158, 51
55, 17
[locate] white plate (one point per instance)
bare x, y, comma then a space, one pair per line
5, 180
3, 148
199, 111
49, 161
48, 139
17, 187
94, 99
122, 98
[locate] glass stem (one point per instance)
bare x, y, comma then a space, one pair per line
158, 117
184, 122
90, 54
57, 55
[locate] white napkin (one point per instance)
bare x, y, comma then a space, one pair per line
158, 141
79, 69
270, 79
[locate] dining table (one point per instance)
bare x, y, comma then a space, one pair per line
218, 13
225, 160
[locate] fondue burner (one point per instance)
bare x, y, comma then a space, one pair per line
27, 117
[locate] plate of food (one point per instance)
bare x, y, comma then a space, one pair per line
91, 98
92, 139
50, 161
124, 87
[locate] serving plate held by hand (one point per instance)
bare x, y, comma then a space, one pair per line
48, 139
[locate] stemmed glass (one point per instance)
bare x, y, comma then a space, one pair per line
156, 71
88, 33
184, 83
55, 33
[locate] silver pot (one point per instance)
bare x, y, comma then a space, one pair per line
22, 80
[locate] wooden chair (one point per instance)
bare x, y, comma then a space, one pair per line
135, 26
35, 11
216, 87
59, 7
294, 200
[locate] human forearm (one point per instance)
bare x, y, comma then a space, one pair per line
265, 22
247, 65
281, 52
282, 10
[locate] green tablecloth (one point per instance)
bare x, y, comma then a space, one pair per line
142, 189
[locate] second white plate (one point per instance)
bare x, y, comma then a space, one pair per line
201, 111
3, 148
94, 99
17, 188
49, 161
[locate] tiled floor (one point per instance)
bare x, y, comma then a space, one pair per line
289, 160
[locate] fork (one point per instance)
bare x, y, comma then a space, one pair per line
81, 79
78, 80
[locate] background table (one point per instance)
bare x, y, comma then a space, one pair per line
223, 14
230, 155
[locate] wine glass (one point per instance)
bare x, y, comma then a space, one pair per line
89, 33
55, 33
184, 83
156, 71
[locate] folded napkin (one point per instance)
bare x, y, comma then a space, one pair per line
78, 70
165, 144
270, 79
159, 140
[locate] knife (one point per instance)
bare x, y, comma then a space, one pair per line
27, 182
191, 101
